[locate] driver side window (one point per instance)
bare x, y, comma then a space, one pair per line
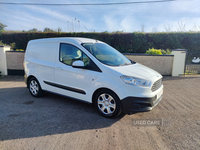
70, 53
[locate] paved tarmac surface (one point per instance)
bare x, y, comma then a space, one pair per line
55, 122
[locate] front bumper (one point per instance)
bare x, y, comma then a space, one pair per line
139, 104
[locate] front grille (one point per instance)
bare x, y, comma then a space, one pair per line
156, 85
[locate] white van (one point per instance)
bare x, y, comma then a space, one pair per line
91, 71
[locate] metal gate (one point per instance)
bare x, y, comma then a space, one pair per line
192, 65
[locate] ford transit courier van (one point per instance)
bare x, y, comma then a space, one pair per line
91, 71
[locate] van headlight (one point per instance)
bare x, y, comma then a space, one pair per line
135, 81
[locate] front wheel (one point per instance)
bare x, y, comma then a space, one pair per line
108, 104
35, 88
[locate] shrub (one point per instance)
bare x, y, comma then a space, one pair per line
124, 42
19, 50
167, 52
12, 45
154, 51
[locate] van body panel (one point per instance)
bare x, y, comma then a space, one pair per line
43, 61
137, 70
40, 59
90, 81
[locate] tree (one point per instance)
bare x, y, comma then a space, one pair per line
168, 28
59, 29
33, 30
181, 26
48, 30
2, 26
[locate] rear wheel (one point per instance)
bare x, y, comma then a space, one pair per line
108, 103
35, 88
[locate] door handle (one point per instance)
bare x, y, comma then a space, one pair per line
59, 68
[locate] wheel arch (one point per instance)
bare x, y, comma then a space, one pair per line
31, 76
97, 90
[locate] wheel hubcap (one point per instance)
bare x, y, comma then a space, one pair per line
34, 87
106, 104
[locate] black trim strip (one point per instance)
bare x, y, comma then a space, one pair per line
65, 87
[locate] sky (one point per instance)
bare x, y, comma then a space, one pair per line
177, 15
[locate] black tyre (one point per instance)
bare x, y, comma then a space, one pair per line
35, 88
108, 104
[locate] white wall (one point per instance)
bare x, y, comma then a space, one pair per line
160, 63
15, 60
179, 62
3, 62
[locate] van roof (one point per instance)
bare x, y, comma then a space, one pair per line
65, 39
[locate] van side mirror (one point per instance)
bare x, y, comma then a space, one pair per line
78, 64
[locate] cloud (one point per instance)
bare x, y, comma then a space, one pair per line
129, 24
127, 18
60, 17
110, 23
125, 24
18, 19
190, 6
182, 24
51, 13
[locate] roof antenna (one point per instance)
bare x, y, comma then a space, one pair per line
93, 36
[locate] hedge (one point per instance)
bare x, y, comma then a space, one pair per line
124, 42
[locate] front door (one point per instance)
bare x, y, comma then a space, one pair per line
74, 82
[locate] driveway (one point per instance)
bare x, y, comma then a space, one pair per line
56, 122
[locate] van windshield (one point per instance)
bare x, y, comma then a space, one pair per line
107, 54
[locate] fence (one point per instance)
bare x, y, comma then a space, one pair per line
192, 63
